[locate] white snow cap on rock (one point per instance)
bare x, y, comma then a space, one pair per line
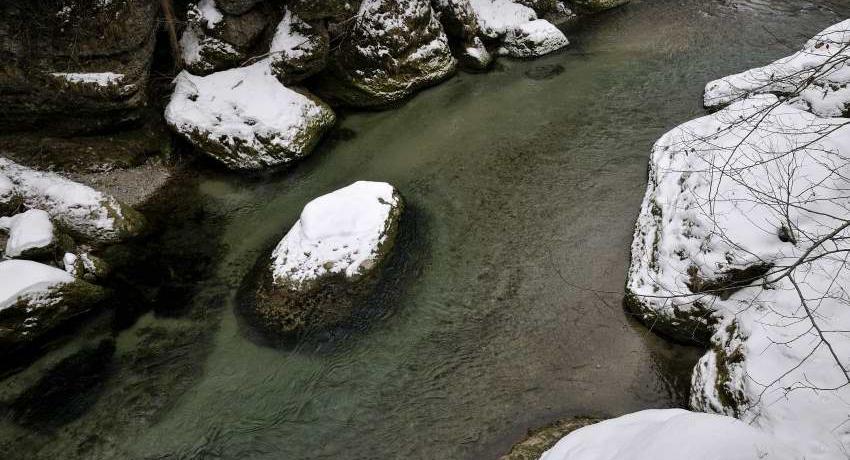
77, 207
31, 280
522, 33
288, 42
825, 57
670, 434
245, 118
102, 79
29, 230
340, 232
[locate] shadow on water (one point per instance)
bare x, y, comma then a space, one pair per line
396, 275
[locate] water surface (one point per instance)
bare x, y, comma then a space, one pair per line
501, 311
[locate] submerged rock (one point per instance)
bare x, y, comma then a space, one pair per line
75, 207
245, 118
30, 234
37, 300
328, 258
394, 48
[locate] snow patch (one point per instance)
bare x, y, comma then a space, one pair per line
24, 279
669, 434
29, 230
102, 79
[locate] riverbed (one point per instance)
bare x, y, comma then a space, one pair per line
501, 310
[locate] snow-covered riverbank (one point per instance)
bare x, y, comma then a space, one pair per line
742, 243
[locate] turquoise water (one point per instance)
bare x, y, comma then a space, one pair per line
501, 311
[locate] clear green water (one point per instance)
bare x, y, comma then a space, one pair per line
523, 192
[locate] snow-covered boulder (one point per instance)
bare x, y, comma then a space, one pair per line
36, 300
816, 78
394, 49
715, 241
518, 28
670, 434
329, 255
298, 50
30, 234
245, 118
214, 40
74, 207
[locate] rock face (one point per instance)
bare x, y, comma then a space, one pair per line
393, 49
78, 209
322, 265
77, 69
36, 300
245, 118
94, 56
30, 234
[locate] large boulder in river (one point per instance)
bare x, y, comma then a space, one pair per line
36, 300
393, 49
76, 208
245, 118
329, 258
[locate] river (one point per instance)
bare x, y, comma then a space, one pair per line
501, 311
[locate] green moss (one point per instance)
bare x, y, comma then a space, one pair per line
542, 439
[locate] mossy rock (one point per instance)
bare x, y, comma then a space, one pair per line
595, 6
693, 325
30, 322
542, 439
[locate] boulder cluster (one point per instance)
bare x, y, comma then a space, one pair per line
49, 228
261, 77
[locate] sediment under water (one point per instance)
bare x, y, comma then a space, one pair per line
501, 310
